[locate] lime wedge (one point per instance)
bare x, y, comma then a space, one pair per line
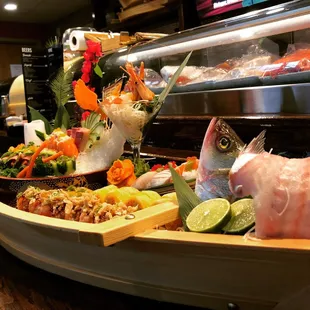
243, 217
209, 216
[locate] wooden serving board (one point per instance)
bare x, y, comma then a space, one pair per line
205, 270
103, 234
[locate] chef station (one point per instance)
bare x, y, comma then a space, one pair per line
162, 160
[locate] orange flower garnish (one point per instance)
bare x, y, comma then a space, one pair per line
86, 98
121, 173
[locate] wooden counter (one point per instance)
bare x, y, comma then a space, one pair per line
23, 287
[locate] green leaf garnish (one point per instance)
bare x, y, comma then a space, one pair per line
40, 135
52, 42
62, 118
174, 78
61, 87
187, 199
98, 71
36, 115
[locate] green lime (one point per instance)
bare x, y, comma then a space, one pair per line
209, 216
243, 217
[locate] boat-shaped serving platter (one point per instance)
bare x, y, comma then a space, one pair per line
129, 256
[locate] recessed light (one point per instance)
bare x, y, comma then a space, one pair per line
10, 7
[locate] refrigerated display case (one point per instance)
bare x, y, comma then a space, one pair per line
252, 69
239, 58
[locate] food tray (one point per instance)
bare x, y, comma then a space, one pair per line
290, 78
235, 83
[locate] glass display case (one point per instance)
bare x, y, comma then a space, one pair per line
256, 63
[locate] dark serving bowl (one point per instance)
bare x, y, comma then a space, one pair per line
10, 187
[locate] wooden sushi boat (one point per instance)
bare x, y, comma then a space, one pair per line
207, 270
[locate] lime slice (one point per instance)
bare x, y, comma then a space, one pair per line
243, 217
209, 216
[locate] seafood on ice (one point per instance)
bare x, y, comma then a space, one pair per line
220, 148
102, 154
280, 188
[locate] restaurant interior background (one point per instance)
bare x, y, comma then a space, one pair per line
36, 21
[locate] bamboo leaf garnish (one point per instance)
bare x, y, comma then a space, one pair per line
40, 135
35, 115
61, 87
187, 199
174, 78
62, 118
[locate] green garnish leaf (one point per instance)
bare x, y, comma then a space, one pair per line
141, 167
40, 135
52, 42
98, 71
61, 87
62, 118
174, 78
36, 115
187, 199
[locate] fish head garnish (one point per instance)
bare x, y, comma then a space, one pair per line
221, 145
239, 174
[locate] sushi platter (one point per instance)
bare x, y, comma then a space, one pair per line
228, 229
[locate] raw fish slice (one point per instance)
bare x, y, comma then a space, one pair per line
144, 181
161, 178
280, 187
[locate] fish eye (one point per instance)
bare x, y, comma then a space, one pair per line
224, 143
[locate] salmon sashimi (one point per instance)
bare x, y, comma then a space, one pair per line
220, 148
280, 188
62, 142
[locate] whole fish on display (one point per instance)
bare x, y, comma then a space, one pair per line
280, 187
220, 148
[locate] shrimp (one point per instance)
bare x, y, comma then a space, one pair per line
136, 84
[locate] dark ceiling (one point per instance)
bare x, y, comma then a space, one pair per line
41, 11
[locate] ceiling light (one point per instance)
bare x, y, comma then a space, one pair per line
10, 7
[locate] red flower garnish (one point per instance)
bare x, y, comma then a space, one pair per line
73, 84
91, 57
87, 66
94, 48
88, 56
85, 115
85, 78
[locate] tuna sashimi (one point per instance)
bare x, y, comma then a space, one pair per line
280, 188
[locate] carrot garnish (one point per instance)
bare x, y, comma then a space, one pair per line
22, 173
55, 156
35, 156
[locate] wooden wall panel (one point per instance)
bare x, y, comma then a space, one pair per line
9, 54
